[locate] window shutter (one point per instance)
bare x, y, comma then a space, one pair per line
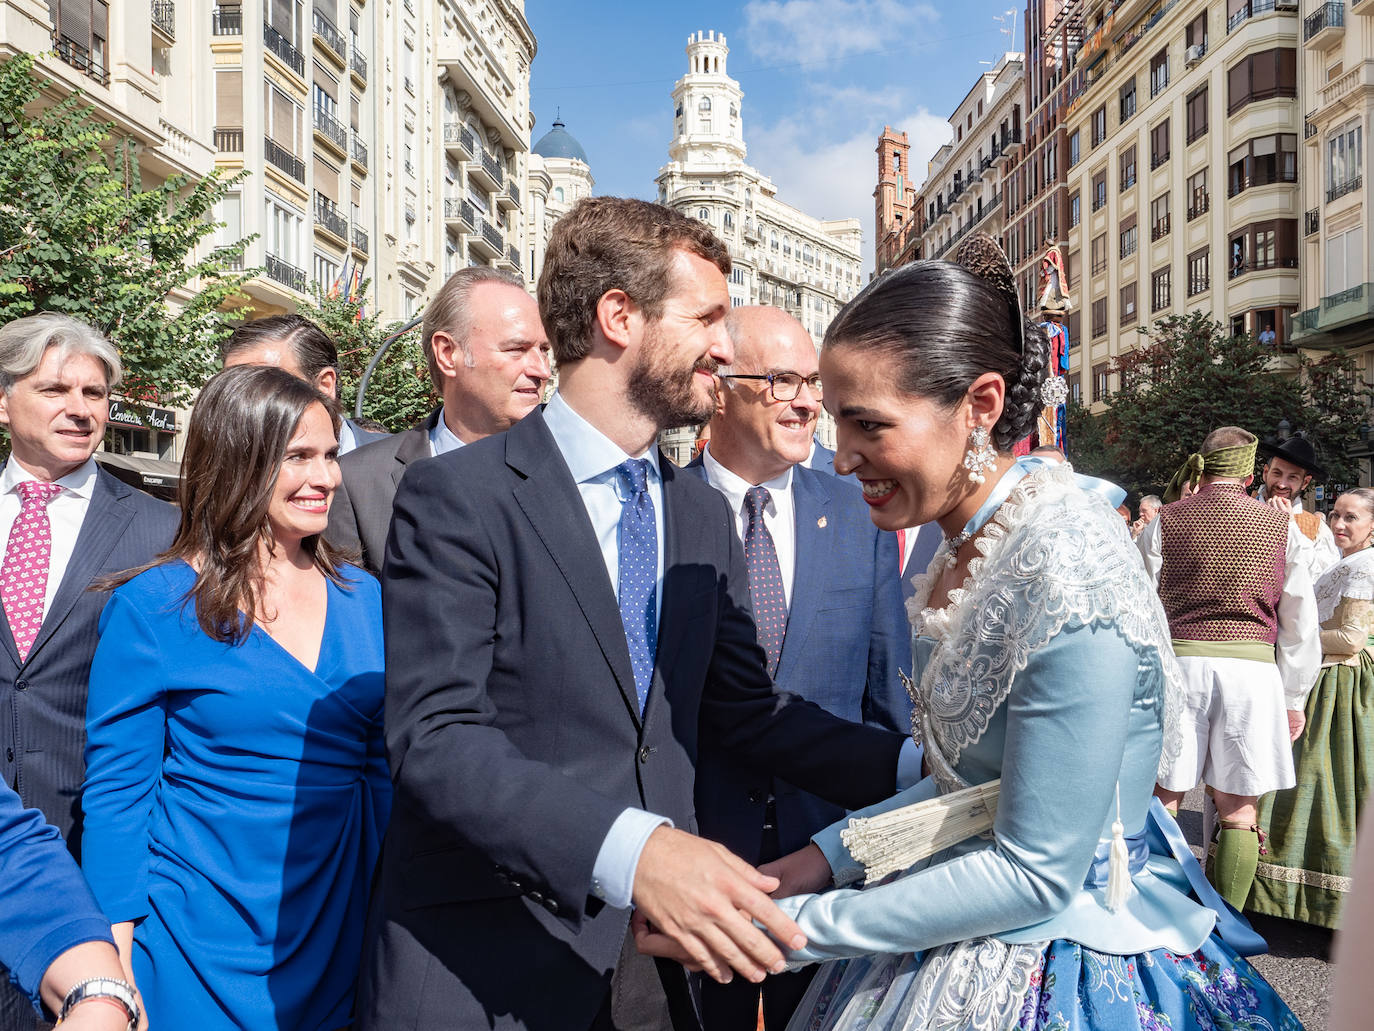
229, 99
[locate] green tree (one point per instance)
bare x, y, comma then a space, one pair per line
1188, 377
399, 394
80, 235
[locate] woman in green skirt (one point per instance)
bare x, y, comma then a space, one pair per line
1306, 875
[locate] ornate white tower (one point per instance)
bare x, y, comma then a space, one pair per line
707, 124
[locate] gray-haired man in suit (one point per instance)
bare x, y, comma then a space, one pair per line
488, 355
65, 522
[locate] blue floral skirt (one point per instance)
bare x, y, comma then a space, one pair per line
987, 985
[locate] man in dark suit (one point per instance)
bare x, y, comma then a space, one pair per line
65, 522
550, 666
488, 357
824, 585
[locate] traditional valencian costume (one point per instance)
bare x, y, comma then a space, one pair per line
1312, 828
1050, 669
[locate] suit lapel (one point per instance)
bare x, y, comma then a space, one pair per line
813, 540
553, 505
107, 518
414, 446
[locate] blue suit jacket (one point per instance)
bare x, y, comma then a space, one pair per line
516, 740
847, 635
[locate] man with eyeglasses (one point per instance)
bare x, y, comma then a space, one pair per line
827, 605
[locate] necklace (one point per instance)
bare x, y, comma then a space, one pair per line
999, 494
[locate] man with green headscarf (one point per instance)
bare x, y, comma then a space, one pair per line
1233, 576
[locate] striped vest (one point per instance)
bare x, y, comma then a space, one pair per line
1223, 566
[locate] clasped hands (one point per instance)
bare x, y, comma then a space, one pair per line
697, 903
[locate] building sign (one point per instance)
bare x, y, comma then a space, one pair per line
163, 420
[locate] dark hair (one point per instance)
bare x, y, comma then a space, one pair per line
314, 351
241, 426
613, 243
942, 327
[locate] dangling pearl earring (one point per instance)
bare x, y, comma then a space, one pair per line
979, 456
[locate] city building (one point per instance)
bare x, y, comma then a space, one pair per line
962, 191
1181, 128
1336, 80
781, 256
560, 175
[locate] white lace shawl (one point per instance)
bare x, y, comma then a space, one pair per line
1351, 577
1053, 555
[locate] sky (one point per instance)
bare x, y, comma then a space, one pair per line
820, 79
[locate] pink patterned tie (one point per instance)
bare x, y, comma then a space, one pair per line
24, 580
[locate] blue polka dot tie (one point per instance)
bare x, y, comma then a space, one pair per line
638, 543
765, 578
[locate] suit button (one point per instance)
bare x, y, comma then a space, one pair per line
21, 685
644, 754
9, 755
551, 906
536, 897
756, 796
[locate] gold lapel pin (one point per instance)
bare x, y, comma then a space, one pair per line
821, 522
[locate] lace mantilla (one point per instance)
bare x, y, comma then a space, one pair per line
1053, 556
1351, 577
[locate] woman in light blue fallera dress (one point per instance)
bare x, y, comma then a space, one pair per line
1042, 658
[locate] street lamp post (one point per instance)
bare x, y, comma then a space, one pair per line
376, 358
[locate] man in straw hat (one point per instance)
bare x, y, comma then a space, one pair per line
1287, 473
1232, 574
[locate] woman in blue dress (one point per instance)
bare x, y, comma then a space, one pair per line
236, 790
1042, 658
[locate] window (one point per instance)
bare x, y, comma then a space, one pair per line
1196, 33
1269, 73
1198, 198
1264, 245
1128, 167
1197, 114
1075, 210
1100, 370
1159, 144
727, 221
1159, 290
1268, 159
1099, 125
1128, 304
229, 103
1099, 311
1073, 148
1159, 72
1074, 325
1100, 190
1128, 236
1099, 254
284, 231
1344, 161
704, 105
1344, 260
326, 272
1159, 217
287, 17
896, 162
284, 120
1127, 96
1199, 275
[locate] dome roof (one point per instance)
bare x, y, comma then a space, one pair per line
559, 143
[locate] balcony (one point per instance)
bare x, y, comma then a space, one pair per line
359, 240
229, 141
509, 198
285, 273
80, 58
1158, 159
226, 21
485, 170
1011, 143
1310, 131
1312, 222
1342, 189
486, 242
1257, 7
164, 22
282, 158
1324, 27
359, 154
330, 131
1241, 268
1200, 208
751, 231
357, 64
327, 34
510, 260
459, 139
327, 217
1160, 229
1339, 320
458, 210
281, 47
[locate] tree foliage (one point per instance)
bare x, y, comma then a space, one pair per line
80, 235
1190, 376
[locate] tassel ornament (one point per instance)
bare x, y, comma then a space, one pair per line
1118, 863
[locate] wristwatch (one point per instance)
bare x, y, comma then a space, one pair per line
103, 988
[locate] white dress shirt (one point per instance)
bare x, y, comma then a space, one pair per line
1322, 553
442, 440
1298, 652
779, 515
66, 513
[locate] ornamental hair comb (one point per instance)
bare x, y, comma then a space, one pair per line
979, 255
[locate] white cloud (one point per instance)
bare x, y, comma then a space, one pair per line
804, 31
836, 179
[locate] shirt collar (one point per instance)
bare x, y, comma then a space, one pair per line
442, 439
80, 481
589, 453
734, 487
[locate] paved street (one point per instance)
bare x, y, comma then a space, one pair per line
1298, 963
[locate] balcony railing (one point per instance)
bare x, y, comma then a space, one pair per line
359, 152
468, 214
358, 63
165, 18
80, 58
332, 128
1240, 268
327, 215
492, 235
229, 141
281, 46
1201, 208
1160, 229
278, 155
1341, 189
285, 273
1312, 222
1309, 127
513, 256
1158, 159
328, 32
1256, 7
513, 192
359, 239
1327, 16
226, 21
458, 133
493, 166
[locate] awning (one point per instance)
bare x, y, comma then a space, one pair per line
152, 474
